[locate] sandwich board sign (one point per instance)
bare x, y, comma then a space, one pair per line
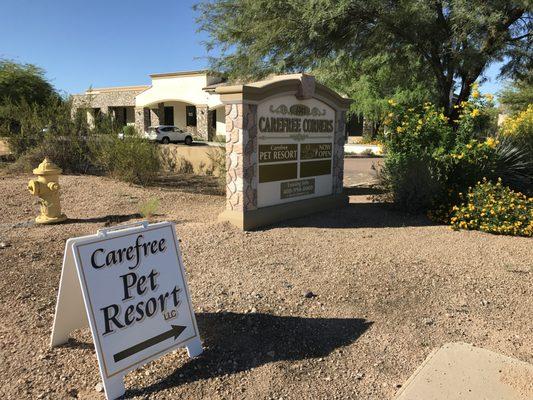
128, 283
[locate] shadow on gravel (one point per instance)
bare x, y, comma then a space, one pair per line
239, 342
107, 219
357, 215
76, 344
362, 190
190, 183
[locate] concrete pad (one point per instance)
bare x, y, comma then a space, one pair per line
459, 371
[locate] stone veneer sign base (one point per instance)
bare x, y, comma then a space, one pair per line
459, 371
270, 215
284, 150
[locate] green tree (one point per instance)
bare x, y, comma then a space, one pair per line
374, 80
518, 95
454, 39
24, 83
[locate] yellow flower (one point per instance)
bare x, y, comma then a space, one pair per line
491, 142
489, 97
392, 102
399, 129
475, 94
475, 112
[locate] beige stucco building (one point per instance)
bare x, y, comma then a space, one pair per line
185, 99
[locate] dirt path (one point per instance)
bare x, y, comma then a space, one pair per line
389, 288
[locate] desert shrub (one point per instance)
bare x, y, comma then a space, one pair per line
48, 130
411, 173
23, 124
519, 129
133, 160
494, 208
72, 155
430, 161
217, 156
129, 130
408, 178
149, 208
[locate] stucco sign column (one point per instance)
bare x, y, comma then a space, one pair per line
284, 149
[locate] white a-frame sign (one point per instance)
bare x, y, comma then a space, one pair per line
128, 283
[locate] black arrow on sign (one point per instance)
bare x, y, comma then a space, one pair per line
175, 331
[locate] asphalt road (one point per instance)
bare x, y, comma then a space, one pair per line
358, 170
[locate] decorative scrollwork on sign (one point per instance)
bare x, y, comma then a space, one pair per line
316, 112
299, 110
281, 109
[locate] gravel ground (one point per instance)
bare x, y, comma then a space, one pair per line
386, 289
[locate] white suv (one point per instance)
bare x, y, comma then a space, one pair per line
168, 133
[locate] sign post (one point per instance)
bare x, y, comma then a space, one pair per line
128, 283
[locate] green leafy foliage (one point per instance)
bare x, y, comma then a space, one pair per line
129, 130
429, 164
370, 82
518, 129
133, 159
24, 83
445, 40
149, 208
517, 96
48, 130
494, 208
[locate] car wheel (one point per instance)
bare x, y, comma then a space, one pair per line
165, 140
188, 140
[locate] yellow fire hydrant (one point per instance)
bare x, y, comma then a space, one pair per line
46, 187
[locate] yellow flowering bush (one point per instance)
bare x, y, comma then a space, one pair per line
494, 208
430, 161
520, 124
519, 129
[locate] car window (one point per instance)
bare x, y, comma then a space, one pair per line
167, 129
176, 129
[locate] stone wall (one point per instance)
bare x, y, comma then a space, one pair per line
211, 130
142, 119
202, 121
338, 151
241, 157
108, 98
157, 115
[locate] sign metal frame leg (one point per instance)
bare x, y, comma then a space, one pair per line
70, 310
194, 348
114, 387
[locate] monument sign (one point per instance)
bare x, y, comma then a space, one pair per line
284, 149
130, 286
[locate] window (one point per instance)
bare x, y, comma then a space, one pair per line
214, 119
169, 116
190, 113
167, 129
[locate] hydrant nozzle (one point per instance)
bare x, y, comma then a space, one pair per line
46, 187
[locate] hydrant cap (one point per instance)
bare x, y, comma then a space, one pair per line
47, 167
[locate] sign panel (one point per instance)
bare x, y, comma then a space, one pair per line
136, 298
300, 131
309, 151
277, 172
297, 188
270, 153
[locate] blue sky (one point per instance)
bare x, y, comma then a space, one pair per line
100, 43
